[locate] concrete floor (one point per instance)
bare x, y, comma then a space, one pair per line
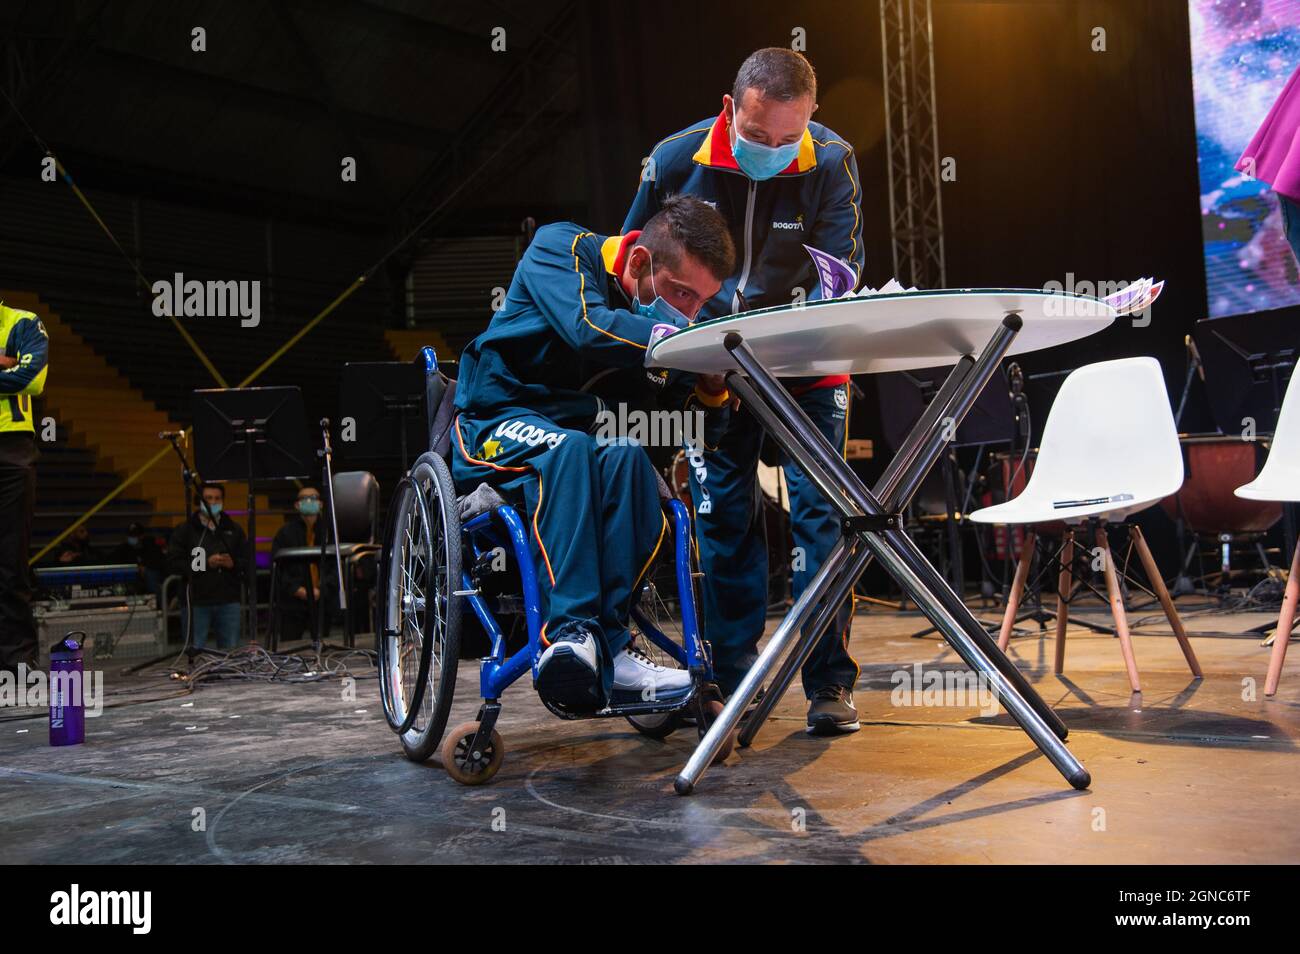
1199, 772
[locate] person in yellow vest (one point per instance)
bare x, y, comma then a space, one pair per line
24, 356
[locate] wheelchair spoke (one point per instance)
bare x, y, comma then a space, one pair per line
411, 609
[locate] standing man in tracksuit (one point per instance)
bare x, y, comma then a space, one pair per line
781, 181
24, 354
582, 306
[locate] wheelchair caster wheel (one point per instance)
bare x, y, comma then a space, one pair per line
656, 725
468, 765
709, 708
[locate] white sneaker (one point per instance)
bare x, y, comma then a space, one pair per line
637, 678
568, 671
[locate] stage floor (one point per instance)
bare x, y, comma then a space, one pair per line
1203, 772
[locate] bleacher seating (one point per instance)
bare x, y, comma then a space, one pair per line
120, 374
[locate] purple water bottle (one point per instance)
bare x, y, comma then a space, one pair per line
67, 699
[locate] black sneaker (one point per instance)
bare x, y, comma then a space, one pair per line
831, 712
568, 671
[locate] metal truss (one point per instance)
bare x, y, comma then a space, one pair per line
912, 143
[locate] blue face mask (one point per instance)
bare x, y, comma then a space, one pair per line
658, 310
215, 508
309, 507
761, 162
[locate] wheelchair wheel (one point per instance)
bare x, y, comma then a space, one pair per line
467, 764
708, 706
420, 618
657, 725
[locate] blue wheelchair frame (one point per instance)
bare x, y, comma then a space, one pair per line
502, 527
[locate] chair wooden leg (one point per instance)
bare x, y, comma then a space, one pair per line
1064, 582
1285, 620
1017, 588
1166, 601
1117, 610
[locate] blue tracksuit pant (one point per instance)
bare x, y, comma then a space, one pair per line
593, 510
734, 558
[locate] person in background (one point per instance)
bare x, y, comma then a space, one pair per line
299, 590
24, 356
1273, 157
77, 548
142, 548
206, 550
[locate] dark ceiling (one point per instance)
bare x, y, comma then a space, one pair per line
413, 91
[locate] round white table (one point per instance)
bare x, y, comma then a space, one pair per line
897, 332
971, 329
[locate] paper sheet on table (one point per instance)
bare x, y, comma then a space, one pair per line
1135, 297
1151, 296
891, 287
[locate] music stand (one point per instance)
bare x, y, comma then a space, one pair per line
251, 434
385, 400
990, 421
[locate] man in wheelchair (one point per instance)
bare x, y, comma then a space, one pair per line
584, 306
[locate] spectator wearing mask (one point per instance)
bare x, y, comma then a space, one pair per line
298, 581
206, 550
144, 550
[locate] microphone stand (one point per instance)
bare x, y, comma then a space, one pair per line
327, 455
1182, 582
1194, 367
193, 489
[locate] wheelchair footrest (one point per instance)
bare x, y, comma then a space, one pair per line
632, 703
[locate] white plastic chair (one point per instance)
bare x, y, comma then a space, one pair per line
1109, 450
1279, 480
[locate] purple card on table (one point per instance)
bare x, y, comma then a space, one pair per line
837, 279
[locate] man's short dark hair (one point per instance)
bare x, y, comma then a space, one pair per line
685, 224
211, 486
777, 73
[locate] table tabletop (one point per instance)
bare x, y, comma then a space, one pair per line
894, 332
